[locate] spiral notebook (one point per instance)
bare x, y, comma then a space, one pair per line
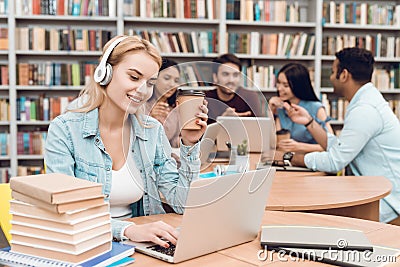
118, 252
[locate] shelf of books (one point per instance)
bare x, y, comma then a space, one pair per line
95, 8
265, 34
180, 29
178, 9
374, 25
5, 159
56, 47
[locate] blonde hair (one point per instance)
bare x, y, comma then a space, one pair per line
93, 94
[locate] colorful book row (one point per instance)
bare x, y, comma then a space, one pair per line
4, 77
66, 7
29, 170
4, 141
267, 10
41, 108
180, 9
259, 77
383, 78
4, 110
5, 174
52, 39
48, 73
31, 143
280, 44
3, 38
336, 107
380, 45
360, 12
180, 42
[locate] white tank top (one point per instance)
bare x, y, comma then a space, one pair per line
126, 188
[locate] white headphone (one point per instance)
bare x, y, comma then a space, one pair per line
103, 72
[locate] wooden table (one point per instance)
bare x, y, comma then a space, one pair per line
255, 158
246, 254
350, 196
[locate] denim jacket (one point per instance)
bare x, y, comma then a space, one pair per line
74, 147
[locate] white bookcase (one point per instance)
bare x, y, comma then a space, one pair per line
313, 23
345, 27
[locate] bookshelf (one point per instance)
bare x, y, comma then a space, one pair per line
49, 61
374, 25
264, 35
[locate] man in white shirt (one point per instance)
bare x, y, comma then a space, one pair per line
369, 141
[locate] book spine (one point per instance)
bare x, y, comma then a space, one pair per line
34, 192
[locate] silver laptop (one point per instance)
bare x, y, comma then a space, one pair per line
258, 131
208, 142
211, 221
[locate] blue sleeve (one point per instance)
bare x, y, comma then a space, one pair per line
173, 183
59, 152
356, 133
315, 107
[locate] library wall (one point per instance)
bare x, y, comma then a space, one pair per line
49, 49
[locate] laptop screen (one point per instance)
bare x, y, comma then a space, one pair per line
258, 131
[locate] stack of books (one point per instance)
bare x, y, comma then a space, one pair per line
59, 217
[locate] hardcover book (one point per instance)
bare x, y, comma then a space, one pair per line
59, 254
62, 207
55, 233
68, 226
55, 188
75, 247
27, 209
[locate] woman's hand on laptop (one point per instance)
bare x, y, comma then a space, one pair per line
155, 232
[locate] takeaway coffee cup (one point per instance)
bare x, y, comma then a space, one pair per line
189, 102
282, 135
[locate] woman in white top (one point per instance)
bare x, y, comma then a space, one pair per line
108, 140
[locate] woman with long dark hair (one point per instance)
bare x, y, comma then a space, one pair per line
294, 86
162, 103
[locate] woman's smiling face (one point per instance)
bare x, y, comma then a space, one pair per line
132, 81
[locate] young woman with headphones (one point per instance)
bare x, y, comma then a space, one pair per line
108, 140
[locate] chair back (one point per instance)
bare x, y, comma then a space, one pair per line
5, 216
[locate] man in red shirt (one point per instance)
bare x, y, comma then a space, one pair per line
230, 98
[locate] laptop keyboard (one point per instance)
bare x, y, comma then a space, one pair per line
167, 251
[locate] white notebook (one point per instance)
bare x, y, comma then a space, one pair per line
118, 252
314, 237
15, 259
